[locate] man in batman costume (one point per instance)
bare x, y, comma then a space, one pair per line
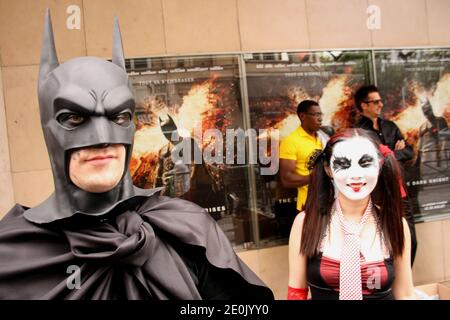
118, 241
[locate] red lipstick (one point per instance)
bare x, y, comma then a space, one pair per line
356, 187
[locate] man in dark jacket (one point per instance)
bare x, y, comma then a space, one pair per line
98, 236
369, 103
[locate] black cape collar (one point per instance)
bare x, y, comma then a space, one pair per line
48, 212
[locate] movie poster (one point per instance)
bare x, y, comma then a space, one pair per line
185, 107
415, 87
209, 127
277, 83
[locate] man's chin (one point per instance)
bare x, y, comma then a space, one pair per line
102, 188
100, 184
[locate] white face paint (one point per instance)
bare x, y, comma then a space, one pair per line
355, 167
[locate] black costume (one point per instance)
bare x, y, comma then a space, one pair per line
126, 243
191, 181
389, 134
434, 138
147, 248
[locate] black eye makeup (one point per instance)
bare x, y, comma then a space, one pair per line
341, 163
366, 161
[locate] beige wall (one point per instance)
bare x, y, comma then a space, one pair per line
433, 252
172, 27
272, 266
6, 187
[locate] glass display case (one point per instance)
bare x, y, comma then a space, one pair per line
415, 85
187, 111
276, 84
209, 127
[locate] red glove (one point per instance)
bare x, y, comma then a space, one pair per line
297, 293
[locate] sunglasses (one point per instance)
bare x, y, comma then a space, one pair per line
374, 101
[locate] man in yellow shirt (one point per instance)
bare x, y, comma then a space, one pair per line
296, 149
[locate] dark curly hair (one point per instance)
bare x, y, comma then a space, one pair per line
305, 105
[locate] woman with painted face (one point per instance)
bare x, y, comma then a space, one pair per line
351, 242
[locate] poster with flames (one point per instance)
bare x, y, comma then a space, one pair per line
415, 87
191, 102
277, 82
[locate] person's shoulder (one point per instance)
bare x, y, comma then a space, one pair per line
294, 138
295, 134
299, 219
286, 139
389, 123
363, 123
405, 224
296, 231
15, 225
164, 201
14, 214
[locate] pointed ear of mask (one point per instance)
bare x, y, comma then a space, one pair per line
49, 60
118, 57
171, 121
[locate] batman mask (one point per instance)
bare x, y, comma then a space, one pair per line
97, 94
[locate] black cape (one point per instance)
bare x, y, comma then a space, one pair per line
146, 248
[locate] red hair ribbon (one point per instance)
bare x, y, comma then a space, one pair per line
385, 150
297, 293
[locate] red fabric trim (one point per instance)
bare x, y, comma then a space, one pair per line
297, 293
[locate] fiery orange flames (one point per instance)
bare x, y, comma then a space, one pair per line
412, 116
211, 104
335, 102
333, 96
202, 108
441, 96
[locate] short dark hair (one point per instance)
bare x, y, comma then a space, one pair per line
362, 93
305, 105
